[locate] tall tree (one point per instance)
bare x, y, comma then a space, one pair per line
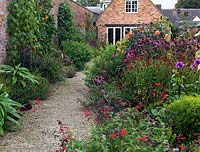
188, 4
88, 2
66, 25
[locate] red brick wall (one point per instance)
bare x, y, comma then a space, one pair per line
3, 27
79, 12
115, 14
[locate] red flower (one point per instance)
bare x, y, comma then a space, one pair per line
196, 135
63, 148
153, 93
123, 132
120, 101
164, 96
34, 110
138, 107
86, 112
144, 139
197, 142
157, 84
181, 138
181, 147
112, 136
130, 67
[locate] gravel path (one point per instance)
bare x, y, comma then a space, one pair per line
40, 129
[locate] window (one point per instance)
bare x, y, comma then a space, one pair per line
128, 30
131, 6
114, 34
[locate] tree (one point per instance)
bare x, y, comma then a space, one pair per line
188, 4
66, 26
88, 2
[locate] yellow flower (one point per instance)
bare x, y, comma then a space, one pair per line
40, 7
118, 43
169, 55
46, 18
123, 52
118, 50
198, 67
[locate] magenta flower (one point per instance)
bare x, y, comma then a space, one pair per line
179, 65
197, 62
115, 55
192, 67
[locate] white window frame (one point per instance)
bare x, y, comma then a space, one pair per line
131, 1
114, 41
126, 27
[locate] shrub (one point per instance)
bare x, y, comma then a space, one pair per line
79, 52
32, 91
184, 115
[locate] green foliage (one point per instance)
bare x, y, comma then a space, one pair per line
105, 64
184, 115
51, 66
188, 4
146, 81
8, 112
22, 29
88, 2
65, 22
31, 91
17, 74
128, 131
79, 52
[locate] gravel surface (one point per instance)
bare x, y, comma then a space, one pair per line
40, 128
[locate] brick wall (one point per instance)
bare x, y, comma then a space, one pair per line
79, 12
3, 27
115, 14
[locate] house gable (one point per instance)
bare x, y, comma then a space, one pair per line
115, 14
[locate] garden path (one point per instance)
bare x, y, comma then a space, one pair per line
40, 128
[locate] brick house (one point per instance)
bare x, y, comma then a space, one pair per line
122, 16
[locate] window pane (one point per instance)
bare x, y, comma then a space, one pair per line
117, 34
110, 35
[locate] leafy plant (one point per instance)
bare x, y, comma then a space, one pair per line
8, 112
17, 74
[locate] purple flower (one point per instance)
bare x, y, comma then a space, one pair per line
179, 65
192, 67
98, 80
197, 62
115, 55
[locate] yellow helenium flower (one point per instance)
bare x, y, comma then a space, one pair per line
40, 8
118, 49
198, 68
118, 43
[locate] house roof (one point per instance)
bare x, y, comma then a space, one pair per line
177, 16
96, 10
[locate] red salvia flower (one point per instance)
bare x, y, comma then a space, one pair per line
181, 147
138, 107
123, 132
112, 136
144, 139
157, 84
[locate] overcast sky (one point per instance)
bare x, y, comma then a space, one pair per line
166, 4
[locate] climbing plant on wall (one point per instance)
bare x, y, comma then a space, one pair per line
31, 29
